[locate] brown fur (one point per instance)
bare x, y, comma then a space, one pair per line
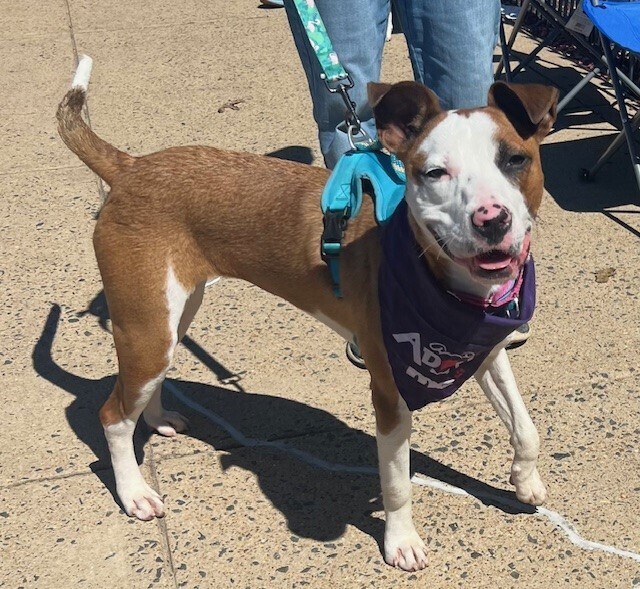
207, 212
103, 158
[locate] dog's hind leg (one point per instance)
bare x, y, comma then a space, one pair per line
145, 317
499, 385
169, 423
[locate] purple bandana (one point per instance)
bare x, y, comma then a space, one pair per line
434, 341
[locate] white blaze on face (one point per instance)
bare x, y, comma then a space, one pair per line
466, 146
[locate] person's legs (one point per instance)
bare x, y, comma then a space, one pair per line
451, 45
357, 31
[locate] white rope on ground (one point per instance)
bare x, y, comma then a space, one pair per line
554, 517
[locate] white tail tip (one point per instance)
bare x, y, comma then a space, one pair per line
83, 72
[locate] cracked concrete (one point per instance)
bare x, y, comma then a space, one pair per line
266, 516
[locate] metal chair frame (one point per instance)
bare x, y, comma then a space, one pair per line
602, 64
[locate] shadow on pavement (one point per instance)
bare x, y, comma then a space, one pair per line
293, 153
90, 394
613, 186
317, 503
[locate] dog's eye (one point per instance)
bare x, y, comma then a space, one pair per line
436, 173
517, 161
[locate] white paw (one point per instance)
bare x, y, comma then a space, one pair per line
142, 502
408, 552
168, 423
531, 489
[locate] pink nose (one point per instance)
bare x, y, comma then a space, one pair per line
492, 221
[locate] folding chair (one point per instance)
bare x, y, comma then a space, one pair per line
618, 22
559, 23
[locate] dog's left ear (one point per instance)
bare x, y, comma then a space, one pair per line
531, 108
401, 111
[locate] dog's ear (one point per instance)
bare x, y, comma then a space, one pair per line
531, 108
401, 111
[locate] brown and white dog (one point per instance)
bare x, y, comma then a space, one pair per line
176, 218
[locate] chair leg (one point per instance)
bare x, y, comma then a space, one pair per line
627, 125
579, 86
506, 55
549, 39
613, 147
512, 37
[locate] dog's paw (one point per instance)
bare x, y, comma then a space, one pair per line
408, 553
530, 490
142, 502
168, 423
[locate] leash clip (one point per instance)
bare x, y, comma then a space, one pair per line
512, 310
353, 122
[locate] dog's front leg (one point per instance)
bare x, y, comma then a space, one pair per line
498, 383
403, 547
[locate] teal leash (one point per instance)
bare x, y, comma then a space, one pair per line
342, 195
332, 70
335, 77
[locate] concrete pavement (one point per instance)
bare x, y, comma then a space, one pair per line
301, 507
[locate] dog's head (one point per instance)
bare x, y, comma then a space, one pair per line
474, 180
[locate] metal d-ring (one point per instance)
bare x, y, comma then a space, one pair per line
352, 131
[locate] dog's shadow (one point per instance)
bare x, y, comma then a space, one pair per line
317, 503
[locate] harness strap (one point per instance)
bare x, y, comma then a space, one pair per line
342, 198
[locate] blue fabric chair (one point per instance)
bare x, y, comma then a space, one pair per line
618, 22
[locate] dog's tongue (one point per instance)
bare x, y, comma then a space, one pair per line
493, 260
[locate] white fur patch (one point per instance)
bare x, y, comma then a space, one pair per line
83, 72
467, 147
330, 323
176, 296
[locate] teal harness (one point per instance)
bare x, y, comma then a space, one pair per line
365, 169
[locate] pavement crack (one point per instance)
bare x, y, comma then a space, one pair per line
161, 522
53, 478
100, 183
71, 31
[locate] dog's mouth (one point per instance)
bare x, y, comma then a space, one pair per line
494, 265
493, 261
499, 264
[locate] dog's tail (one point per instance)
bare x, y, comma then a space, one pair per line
103, 158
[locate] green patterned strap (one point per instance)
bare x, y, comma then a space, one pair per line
375, 145
320, 42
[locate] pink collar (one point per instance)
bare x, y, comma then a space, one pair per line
505, 294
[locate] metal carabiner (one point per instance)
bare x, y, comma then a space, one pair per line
351, 119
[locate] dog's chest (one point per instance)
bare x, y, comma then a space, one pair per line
434, 342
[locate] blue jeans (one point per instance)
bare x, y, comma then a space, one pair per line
450, 42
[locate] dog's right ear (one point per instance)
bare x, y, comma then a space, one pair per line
401, 111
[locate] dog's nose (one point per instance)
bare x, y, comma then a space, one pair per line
492, 221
